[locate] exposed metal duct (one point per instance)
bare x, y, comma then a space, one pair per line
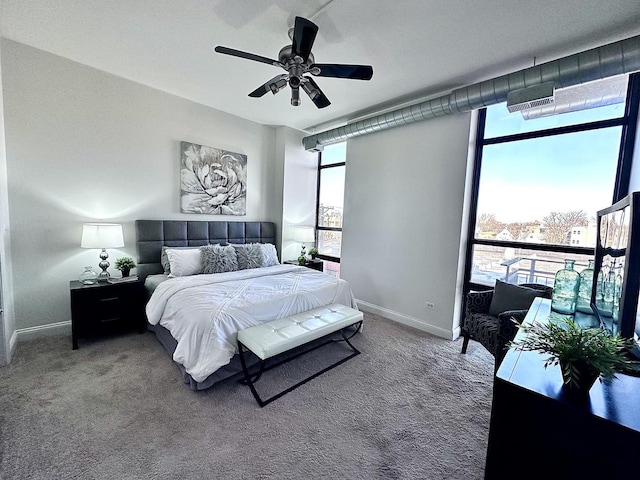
613, 59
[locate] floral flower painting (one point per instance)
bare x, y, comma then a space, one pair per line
212, 181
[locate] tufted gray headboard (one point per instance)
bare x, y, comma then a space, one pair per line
152, 235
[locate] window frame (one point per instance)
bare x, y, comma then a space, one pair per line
319, 228
628, 122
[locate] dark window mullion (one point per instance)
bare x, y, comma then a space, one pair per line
628, 139
340, 164
318, 197
548, 247
328, 258
552, 132
475, 187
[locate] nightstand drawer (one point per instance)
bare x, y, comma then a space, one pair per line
106, 308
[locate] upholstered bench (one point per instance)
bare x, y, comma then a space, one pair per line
279, 336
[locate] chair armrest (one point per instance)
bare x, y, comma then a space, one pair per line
478, 302
507, 329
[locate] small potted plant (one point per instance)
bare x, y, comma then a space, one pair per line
125, 264
584, 354
302, 260
313, 251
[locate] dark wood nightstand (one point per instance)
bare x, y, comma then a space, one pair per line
105, 308
312, 263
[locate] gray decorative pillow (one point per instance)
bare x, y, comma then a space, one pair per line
270, 254
164, 258
249, 255
218, 259
507, 296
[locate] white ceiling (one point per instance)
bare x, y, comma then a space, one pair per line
417, 48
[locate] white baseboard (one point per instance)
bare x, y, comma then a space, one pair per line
60, 328
407, 320
64, 328
13, 342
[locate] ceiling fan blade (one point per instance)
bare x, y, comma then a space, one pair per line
248, 56
356, 72
315, 94
304, 34
274, 85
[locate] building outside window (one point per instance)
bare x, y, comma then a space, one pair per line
330, 205
541, 175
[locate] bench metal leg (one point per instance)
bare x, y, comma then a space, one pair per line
248, 380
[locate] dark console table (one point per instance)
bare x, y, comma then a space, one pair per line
537, 432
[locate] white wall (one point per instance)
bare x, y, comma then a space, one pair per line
83, 145
300, 174
7, 320
404, 199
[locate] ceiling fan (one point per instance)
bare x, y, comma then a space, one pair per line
298, 60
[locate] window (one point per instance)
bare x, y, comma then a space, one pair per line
330, 204
540, 177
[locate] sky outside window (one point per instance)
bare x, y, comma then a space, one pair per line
332, 179
526, 180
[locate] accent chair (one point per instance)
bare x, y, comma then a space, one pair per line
488, 315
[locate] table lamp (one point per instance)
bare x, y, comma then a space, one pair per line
102, 235
304, 235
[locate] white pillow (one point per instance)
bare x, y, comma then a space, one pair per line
184, 262
270, 255
164, 260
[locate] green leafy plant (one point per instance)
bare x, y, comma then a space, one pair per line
313, 251
580, 352
302, 260
125, 263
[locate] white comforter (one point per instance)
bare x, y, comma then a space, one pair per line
205, 312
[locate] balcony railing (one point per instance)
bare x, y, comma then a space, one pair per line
515, 270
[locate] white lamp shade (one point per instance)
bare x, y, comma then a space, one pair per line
102, 235
304, 234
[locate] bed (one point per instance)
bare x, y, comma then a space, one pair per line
196, 316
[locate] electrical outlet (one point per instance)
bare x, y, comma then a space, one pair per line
431, 305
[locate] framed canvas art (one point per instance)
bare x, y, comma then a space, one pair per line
212, 181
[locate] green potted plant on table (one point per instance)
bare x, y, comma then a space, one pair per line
125, 264
313, 251
584, 354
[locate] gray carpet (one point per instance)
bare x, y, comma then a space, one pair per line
409, 407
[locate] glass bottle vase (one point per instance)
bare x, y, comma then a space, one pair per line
600, 292
583, 303
88, 277
608, 291
565, 289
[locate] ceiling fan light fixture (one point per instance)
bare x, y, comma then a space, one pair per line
295, 96
310, 90
294, 81
277, 86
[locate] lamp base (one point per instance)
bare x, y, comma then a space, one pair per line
103, 276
